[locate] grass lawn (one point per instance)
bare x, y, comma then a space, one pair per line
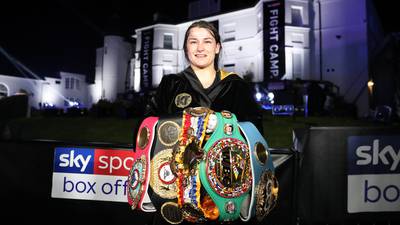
277, 130
78, 129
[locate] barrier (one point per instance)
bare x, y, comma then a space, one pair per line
335, 166
318, 181
26, 169
284, 213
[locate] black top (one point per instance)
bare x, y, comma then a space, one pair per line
228, 92
215, 82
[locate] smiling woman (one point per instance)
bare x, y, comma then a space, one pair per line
202, 51
202, 83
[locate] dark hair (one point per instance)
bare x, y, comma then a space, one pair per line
214, 32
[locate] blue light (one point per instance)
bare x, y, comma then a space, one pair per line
73, 104
287, 110
258, 96
48, 105
271, 96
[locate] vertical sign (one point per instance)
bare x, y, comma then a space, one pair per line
146, 55
274, 40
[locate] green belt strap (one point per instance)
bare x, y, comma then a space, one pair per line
224, 203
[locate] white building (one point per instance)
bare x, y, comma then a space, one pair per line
71, 89
113, 70
329, 40
67, 90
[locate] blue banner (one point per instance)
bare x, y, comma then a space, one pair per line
146, 57
274, 40
373, 155
73, 160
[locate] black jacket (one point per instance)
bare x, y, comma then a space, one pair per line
229, 92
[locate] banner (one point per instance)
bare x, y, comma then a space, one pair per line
373, 174
146, 57
274, 40
91, 174
349, 175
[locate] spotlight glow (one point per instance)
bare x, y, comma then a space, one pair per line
258, 96
271, 96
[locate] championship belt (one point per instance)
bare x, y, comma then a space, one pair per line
162, 180
200, 167
187, 156
226, 172
139, 175
264, 184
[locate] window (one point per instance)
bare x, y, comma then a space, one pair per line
168, 41
297, 16
77, 84
72, 83
57, 82
67, 83
229, 32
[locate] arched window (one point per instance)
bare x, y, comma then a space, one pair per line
3, 91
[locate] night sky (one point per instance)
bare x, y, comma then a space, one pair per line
49, 36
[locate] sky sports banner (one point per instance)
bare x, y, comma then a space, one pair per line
373, 174
146, 57
91, 174
274, 40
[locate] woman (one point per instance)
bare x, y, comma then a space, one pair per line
202, 84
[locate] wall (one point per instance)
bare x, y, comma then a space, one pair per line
32, 86
344, 48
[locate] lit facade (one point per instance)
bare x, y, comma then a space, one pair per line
330, 40
71, 89
67, 90
113, 72
323, 40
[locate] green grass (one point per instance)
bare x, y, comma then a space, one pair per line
74, 129
277, 130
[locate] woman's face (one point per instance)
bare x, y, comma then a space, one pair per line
201, 48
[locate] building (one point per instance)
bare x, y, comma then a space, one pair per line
113, 69
65, 90
323, 40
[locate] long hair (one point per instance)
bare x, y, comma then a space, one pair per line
214, 32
